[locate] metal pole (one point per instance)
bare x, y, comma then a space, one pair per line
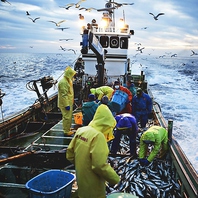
170, 130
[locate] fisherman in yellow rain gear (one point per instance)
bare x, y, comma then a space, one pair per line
157, 136
88, 150
66, 99
101, 91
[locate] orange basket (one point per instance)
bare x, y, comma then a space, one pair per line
78, 118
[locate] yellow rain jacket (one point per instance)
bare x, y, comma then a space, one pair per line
159, 136
89, 151
66, 97
101, 91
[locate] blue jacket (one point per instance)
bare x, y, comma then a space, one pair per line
126, 121
142, 103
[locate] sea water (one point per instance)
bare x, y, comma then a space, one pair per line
173, 81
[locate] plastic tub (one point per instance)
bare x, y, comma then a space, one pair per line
78, 118
51, 184
119, 100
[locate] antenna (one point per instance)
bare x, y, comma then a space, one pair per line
123, 16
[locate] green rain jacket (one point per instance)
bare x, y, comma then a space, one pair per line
88, 150
65, 87
101, 91
159, 136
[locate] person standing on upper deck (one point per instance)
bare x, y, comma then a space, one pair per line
118, 86
142, 107
66, 99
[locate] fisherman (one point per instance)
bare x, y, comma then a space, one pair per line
130, 85
156, 136
88, 150
118, 86
79, 67
66, 98
101, 91
89, 109
142, 107
126, 125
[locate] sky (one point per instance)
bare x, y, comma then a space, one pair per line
174, 32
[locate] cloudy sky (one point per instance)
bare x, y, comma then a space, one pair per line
175, 31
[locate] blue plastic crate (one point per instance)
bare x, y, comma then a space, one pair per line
51, 184
119, 100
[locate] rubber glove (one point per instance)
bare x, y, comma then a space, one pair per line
67, 108
97, 100
144, 162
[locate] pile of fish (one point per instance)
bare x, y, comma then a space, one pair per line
156, 180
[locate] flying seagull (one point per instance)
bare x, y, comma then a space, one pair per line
193, 53
27, 13
62, 28
33, 20
65, 39
57, 24
72, 50
174, 55
156, 17
67, 6
77, 5
140, 49
62, 48
6, 1
87, 9
117, 5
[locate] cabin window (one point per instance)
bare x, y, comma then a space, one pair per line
104, 41
114, 42
124, 43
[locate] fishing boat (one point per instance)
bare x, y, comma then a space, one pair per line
32, 140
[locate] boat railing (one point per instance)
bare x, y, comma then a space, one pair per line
104, 30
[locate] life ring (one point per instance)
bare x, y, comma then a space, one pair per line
114, 42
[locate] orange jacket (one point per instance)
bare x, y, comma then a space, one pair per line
127, 91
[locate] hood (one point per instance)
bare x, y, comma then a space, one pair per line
93, 91
148, 136
103, 120
69, 72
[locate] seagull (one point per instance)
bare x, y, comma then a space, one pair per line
193, 53
62, 28
67, 6
27, 13
121, 4
174, 55
62, 48
156, 17
6, 1
72, 50
87, 9
144, 28
162, 56
77, 5
57, 24
33, 20
140, 49
65, 39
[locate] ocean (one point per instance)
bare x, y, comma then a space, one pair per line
173, 81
